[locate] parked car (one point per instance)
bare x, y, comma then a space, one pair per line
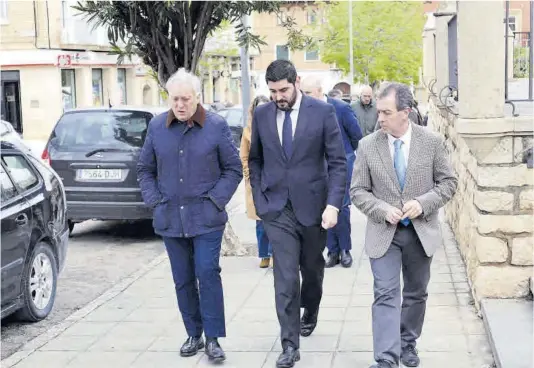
234, 117
9, 134
34, 234
95, 152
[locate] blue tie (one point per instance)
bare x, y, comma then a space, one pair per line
400, 168
287, 135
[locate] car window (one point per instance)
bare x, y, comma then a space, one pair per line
233, 117
21, 172
7, 189
109, 129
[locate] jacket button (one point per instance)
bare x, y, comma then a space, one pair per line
181, 207
181, 180
181, 152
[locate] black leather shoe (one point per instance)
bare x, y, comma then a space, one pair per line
191, 346
346, 259
289, 356
333, 259
409, 357
308, 323
214, 351
383, 364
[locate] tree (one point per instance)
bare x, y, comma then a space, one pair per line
168, 35
387, 41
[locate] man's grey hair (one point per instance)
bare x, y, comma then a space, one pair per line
183, 77
335, 93
312, 81
403, 95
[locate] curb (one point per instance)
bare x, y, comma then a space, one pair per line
31, 346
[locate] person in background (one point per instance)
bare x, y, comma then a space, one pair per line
335, 94
338, 240
365, 110
188, 171
264, 246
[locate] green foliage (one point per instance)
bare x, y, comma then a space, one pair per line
521, 62
387, 41
168, 35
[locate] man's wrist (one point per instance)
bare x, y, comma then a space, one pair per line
330, 206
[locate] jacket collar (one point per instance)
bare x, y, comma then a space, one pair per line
198, 117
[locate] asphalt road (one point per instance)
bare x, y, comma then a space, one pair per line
100, 254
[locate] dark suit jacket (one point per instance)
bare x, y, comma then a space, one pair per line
312, 177
348, 123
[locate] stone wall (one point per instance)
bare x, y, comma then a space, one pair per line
492, 212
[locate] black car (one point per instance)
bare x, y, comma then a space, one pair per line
234, 118
34, 234
95, 152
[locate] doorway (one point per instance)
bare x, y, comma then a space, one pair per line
10, 99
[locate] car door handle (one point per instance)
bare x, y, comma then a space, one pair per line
21, 219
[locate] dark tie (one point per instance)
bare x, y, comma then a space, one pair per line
400, 168
287, 135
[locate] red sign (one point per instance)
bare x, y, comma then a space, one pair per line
64, 60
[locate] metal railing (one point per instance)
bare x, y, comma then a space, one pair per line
521, 40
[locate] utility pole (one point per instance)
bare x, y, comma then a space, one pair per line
351, 51
245, 77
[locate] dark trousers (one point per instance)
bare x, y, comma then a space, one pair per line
397, 325
193, 259
339, 236
265, 250
295, 247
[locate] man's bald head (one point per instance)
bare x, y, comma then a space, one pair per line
312, 86
366, 95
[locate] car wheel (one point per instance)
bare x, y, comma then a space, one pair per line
71, 226
39, 282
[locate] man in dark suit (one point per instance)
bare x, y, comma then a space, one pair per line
338, 239
298, 173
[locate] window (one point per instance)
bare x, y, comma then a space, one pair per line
68, 88
7, 188
121, 80
311, 55
282, 52
98, 88
21, 172
511, 23
312, 16
83, 131
4, 19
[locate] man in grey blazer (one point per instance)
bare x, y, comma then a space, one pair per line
401, 178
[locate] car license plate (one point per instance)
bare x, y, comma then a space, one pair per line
100, 174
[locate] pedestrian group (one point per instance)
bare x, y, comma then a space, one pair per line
305, 156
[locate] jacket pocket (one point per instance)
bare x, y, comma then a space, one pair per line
213, 216
160, 218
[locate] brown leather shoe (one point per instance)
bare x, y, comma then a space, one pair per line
265, 262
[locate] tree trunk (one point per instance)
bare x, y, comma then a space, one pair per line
231, 246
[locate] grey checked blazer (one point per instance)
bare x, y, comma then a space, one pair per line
375, 187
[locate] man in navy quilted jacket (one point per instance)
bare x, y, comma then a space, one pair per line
188, 170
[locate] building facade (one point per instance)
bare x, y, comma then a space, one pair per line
52, 61
307, 62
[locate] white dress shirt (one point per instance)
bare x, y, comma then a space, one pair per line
281, 115
406, 139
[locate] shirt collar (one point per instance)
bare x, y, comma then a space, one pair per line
406, 138
198, 117
325, 98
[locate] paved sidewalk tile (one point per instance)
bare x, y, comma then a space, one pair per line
141, 327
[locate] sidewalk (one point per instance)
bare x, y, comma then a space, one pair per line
137, 324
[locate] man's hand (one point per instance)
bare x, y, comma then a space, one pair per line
394, 215
329, 217
412, 209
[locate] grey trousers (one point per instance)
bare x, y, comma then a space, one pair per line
397, 325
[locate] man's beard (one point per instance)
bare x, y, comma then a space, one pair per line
288, 105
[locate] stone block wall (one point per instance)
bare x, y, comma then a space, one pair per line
492, 212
